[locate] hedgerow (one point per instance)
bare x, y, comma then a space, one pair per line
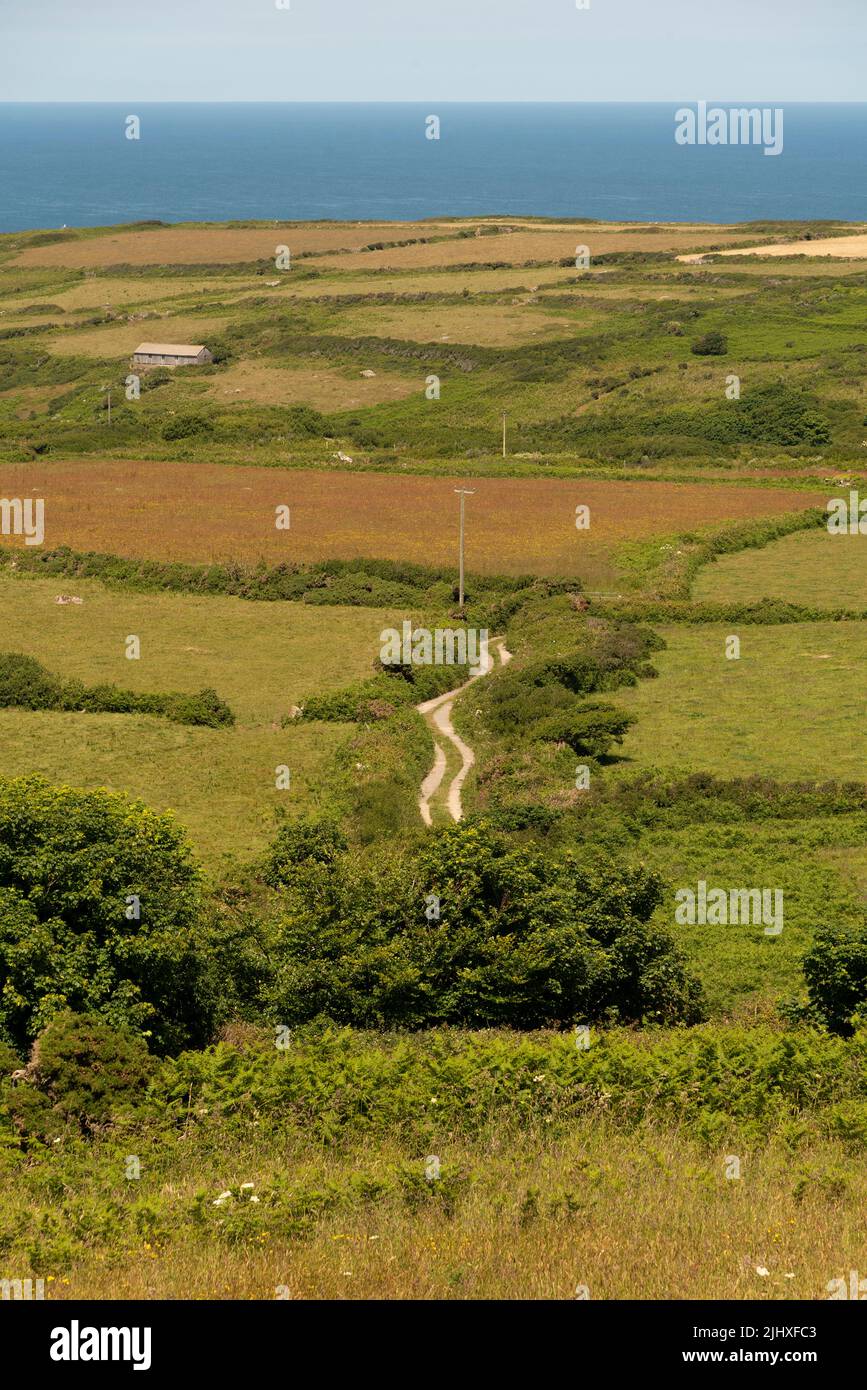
378, 698
766, 612
544, 699
26, 684
775, 413
369, 583
665, 570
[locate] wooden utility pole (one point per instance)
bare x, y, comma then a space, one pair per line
504, 434
462, 493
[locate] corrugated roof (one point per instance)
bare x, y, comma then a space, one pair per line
172, 349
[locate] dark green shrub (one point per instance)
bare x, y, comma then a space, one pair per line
151, 380
591, 730
396, 687
25, 684
541, 699
300, 843
524, 815
306, 423
220, 349
9, 1061
361, 703
713, 344
203, 708
775, 413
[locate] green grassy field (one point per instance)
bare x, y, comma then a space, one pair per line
262, 658
737, 717
815, 568
746, 974
638, 1192
597, 1210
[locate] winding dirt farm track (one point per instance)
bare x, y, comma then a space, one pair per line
437, 713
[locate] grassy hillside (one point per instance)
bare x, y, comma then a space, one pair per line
737, 717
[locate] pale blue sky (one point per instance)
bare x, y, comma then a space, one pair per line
432, 50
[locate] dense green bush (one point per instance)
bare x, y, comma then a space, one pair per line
365, 702
335, 1085
714, 344
75, 868
542, 699
775, 414
306, 423
362, 702
25, 684
835, 969
300, 843
475, 933
394, 687
592, 729
81, 1070
152, 380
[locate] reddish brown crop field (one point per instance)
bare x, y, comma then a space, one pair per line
201, 512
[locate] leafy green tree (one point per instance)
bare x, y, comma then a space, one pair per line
99, 913
591, 729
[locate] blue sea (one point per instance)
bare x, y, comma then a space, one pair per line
72, 164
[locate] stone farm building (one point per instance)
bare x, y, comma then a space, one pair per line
170, 355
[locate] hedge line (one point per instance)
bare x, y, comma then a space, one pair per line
666, 571
26, 684
346, 1081
767, 612
656, 798
362, 583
